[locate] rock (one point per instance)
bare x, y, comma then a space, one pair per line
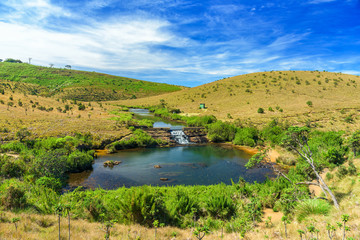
111, 163
157, 166
164, 179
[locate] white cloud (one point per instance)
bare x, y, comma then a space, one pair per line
32, 11
320, 1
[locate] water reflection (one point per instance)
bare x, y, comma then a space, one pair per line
188, 165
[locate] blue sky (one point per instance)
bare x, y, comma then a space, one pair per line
183, 42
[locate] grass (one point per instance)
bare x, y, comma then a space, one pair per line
94, 119
33, 226
276, 90
311, 207
79, 85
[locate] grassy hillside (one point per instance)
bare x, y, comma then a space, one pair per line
325, 99
79, 85
46, 116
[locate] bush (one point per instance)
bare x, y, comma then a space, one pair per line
334, 156
12, 195
200, 121
309, 103
220, 132
49, 164
312, 207
260, 110
246, 136
49, 182
141, 206
138, 139
341, 172
220, 207
79, 161
11, 168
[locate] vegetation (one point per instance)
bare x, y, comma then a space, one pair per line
35, 160
79, 85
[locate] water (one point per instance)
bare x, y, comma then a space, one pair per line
185, 165
179, 136
158, 122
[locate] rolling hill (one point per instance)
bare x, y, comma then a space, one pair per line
78, 85
305, 97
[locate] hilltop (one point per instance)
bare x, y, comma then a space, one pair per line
305, 97
78, 85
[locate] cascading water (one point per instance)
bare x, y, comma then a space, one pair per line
179, 136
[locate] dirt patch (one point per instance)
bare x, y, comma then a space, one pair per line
273, 155
275, 216
10, 155
247, 149
102, 152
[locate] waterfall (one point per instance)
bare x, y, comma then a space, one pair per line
179, 136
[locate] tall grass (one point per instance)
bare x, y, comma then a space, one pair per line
311, 207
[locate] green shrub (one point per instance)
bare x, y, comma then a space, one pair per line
246, 136
49, 182
141, 206
310, 207
79, 161
334, 156
220, 207
351, 168
11, 168
49, 164
260, 110
220, 132
12, 195
309, 103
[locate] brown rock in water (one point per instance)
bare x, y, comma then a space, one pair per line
164, 179
157, 166
111, 163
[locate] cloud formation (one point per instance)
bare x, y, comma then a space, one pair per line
182, 42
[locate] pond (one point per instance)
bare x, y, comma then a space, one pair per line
182, 165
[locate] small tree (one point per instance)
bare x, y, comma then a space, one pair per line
286, 221
22, 134
309, 103
58, 211
330, 230
354, 142
345, 219
297, 140
260, 110
156, 225
200, 232
68, 66
67, 210
15, 220
106, 226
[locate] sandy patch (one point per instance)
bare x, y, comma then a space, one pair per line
275, 216
273, 155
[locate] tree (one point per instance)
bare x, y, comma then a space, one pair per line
1, 60
297, 139
22, 133
11, 60
51, 65
68, 66
354, 142
261, 160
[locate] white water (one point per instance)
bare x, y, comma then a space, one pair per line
179, 136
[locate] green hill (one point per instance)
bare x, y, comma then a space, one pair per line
79, 85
